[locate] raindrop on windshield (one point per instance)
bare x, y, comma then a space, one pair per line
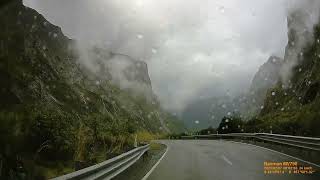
154, 51
139, 36
221, 9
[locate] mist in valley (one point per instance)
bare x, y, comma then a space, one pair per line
194, 51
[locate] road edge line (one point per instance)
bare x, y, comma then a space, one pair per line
311, 163
154, 166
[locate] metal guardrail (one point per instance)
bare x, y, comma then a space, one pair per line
107, 169
308, 143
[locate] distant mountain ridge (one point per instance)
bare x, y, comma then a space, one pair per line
210, 111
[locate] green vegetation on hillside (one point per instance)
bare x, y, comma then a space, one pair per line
56, 115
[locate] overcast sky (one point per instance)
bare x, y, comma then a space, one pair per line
193, 48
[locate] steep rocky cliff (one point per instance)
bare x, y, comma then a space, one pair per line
251, 103
121, 70
56, 110
293, 105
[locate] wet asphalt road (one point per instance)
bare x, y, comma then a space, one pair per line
220, 160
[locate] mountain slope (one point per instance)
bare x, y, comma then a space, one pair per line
292, 107
251, 103
54, 110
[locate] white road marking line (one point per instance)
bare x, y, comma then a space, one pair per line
279, 153
154, 166
226, 160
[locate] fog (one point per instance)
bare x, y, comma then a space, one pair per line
194, 49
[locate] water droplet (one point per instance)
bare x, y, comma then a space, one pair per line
221, 9
154, 51
273, 93
139, 36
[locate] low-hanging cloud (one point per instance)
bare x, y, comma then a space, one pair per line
301, 19
193, 48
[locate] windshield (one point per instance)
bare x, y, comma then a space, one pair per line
159, 89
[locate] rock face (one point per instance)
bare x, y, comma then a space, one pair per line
267, 76
123, 71
299, 36
56, 106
